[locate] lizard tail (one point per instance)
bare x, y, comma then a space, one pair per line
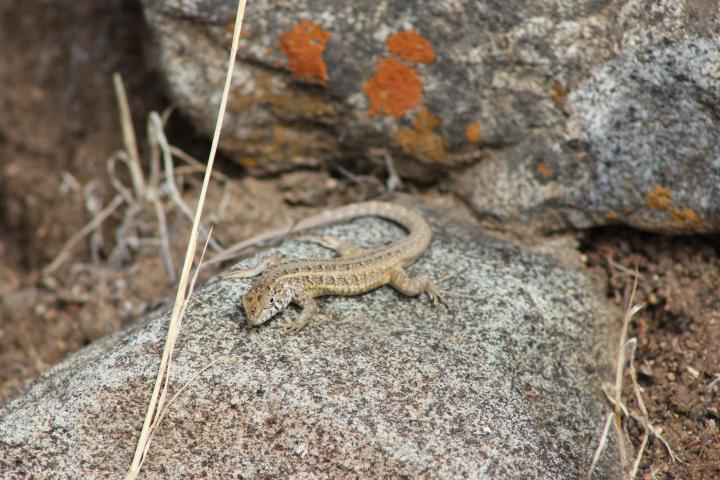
419, 232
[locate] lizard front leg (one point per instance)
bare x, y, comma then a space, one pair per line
413, 287
309, 308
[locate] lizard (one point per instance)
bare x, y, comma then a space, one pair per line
354, 272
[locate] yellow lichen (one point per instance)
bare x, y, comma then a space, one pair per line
660, 198
422, 142
473, 132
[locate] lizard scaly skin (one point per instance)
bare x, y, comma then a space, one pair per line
356, 271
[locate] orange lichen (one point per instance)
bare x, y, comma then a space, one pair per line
422, 142
612, 216
411, 47
426, 146
304, 46
660, 198
545, 170
288, 105
558, 93
473, 132
394, 89
426, 121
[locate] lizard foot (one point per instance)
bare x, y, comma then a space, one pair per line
294, 327
436, 295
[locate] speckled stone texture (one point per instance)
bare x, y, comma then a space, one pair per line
549, 114
646, 150
390, 387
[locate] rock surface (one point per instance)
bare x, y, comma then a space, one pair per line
645, 150
507, 387
552, 114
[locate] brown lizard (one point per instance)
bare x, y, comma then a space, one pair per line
356, 271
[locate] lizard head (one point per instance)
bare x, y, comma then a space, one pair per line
264, 300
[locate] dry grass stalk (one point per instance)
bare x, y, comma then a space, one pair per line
181, 297
616, 416
619, 409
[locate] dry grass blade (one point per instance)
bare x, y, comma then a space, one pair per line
180, 299
82, 233
161, 406
651, 428
192, 161
630, 311
129, 140
159, 135
632, 343
601, 444
619, 408
164, 238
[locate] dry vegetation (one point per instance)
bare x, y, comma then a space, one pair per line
89, 237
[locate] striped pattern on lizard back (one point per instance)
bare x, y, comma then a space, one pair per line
356, 271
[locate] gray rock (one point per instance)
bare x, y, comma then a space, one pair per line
554, 115
646, 154
391, 387
651, 122
434, 82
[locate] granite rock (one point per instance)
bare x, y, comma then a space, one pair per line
553, 115
507, 386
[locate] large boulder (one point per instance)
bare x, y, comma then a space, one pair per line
505, 386
553, 115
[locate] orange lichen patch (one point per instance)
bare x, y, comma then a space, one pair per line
687, 216
411, 47
303, 46
277, 147
426, 121
558, 93
473, 132
293, 105
544, 169
426, 146
394, 89
285, 104
422, 142
612, 216
660, 198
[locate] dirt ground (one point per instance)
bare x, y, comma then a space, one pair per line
58, 128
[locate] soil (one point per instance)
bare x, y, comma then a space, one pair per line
58, 128
677, 334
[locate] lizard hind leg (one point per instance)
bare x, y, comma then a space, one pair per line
343, 247
412, 287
